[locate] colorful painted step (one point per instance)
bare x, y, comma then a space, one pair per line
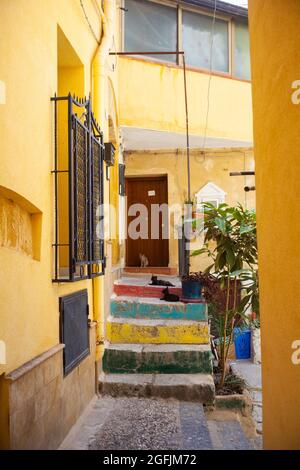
164, 271
128, 331
186, 387
143, 308
160, 359
154, 292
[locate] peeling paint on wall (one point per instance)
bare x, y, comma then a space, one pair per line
15, 227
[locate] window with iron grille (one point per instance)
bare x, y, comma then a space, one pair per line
78, 183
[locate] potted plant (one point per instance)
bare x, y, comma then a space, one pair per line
232, 232
192, 287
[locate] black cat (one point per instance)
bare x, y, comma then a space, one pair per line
168, 297
160, 282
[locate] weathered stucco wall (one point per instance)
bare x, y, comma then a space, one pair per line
277, 142
29, 68
45, 48
152, 97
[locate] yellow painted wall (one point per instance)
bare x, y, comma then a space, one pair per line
275, 54
210, 166
153, 98
29, 59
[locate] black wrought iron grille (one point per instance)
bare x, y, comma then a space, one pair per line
85, 193
97, 216
80, 149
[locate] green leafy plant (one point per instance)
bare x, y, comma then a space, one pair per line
230, 242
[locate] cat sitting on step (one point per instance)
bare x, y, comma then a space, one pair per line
144, 260
168, 297
160, 282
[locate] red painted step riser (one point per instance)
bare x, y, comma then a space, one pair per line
144, 291
151, 270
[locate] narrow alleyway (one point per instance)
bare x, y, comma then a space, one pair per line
156, 424
173, 367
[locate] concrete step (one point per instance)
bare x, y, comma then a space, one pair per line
185, 387
130, 331
145, 308
143, 290
157, 359
165, 271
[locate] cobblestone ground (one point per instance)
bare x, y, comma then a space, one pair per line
152, 424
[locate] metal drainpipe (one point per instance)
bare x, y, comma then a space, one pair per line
99, 81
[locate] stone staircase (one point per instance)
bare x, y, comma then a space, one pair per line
156, 348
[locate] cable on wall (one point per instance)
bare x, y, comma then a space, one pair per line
210, 73
88, 22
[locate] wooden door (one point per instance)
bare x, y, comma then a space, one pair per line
148, 191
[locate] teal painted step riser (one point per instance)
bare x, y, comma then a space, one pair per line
130, 362
193, 312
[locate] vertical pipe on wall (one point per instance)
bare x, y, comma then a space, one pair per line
99, 86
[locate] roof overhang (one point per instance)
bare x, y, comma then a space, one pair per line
134, 138
222, 7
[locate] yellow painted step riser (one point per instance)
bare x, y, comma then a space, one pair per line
179, 334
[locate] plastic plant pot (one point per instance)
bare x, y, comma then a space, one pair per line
192, 290
242, 343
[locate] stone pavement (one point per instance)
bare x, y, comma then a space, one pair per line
152, 424
251, 374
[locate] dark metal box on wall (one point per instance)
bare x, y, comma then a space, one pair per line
121, 179
74, 328
109, 153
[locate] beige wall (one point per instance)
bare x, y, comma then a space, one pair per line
209, 166
39, 404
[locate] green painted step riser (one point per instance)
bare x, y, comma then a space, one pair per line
134, 310
192, 362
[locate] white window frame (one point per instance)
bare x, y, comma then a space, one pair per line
210, 192
225, 18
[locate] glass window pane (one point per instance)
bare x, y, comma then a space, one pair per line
242, 51
197, 36
150, 27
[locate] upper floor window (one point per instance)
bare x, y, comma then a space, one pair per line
242, 51
150, 27
198, 44
156, 26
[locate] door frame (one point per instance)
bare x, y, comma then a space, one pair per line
163, 177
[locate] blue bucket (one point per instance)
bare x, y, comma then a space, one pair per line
192, 290
242, 343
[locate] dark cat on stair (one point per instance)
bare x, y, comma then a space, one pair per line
168, 297
160, 282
